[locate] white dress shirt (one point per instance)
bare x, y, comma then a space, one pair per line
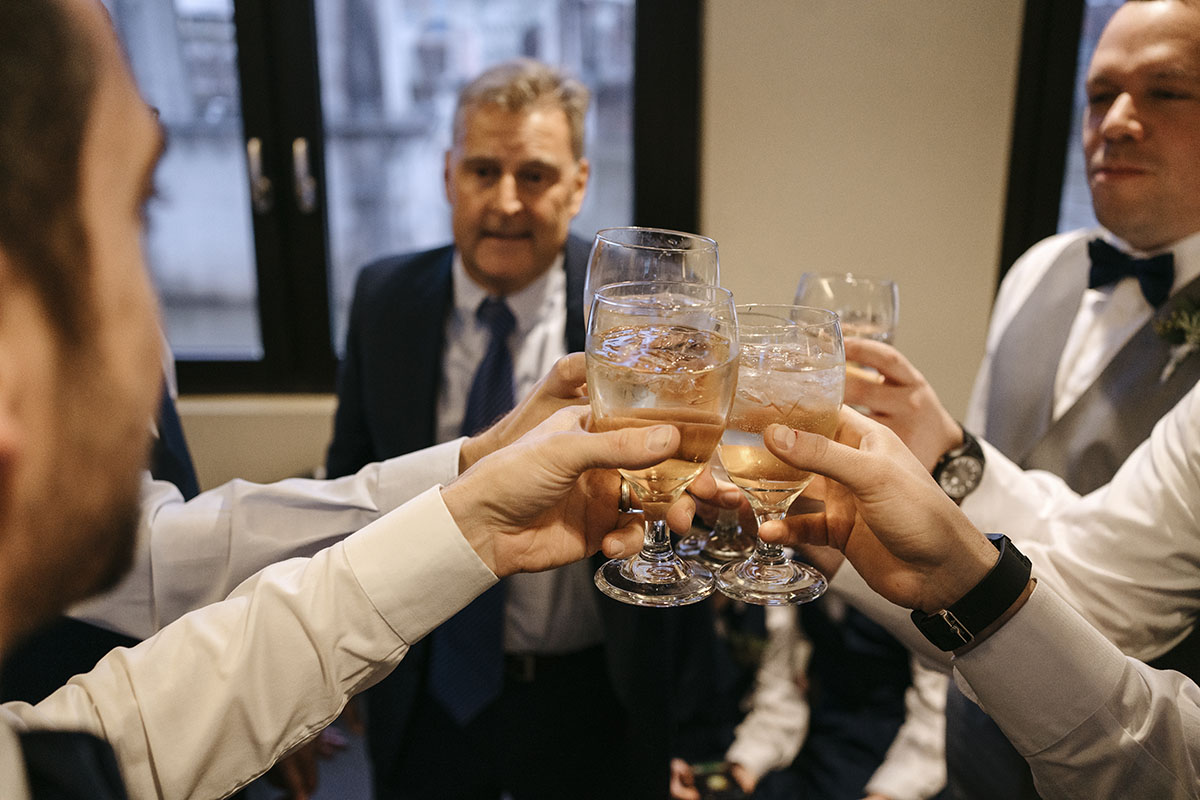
211, 701
1091, 722
191, 554
1106, 319
546, 612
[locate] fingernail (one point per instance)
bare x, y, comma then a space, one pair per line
659, 437
784, 436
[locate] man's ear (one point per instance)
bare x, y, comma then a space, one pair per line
583, 169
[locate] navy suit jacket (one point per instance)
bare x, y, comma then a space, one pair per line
390, 373
387, 398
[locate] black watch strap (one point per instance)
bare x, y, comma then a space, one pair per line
956, 626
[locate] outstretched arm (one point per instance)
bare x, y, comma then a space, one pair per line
1123, 729
264, 671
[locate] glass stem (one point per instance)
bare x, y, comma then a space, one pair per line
768, 554
656, 546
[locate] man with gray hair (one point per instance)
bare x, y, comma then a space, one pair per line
514, 693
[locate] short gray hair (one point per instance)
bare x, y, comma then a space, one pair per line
521, 85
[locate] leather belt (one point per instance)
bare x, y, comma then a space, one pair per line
528, 667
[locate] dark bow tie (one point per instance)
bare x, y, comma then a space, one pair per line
1109, 265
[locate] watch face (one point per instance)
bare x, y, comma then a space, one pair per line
960, 476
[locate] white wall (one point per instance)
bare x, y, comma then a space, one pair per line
845, 135
261, 438
867, 136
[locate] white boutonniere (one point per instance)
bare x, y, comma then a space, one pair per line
1181, 330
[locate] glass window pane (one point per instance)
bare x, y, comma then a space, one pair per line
199, 241
1075, 208
390, 73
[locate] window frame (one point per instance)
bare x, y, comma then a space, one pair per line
1045, 100
280, 95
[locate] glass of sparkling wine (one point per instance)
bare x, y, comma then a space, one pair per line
791, 371
868, 307
662, 352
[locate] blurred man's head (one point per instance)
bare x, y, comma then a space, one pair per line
515, 173
79, 358
1141, 136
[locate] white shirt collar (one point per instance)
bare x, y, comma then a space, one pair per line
526, 305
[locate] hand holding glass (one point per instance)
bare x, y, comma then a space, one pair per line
791, 371
661, 352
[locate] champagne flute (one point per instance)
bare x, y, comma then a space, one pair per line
868, 307
661, 352
649, 254
791, 371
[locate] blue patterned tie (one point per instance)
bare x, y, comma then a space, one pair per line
466, 662
1109, 265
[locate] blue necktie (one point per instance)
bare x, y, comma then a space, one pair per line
1109, 265
466, 662
170, 459
69, 765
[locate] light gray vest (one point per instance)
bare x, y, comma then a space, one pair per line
1086, 445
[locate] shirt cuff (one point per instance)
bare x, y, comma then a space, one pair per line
990, 506
416, 567
404, 477
1018, 672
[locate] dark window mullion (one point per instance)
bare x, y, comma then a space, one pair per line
666, 114
1041, 124
258, 120
305, 248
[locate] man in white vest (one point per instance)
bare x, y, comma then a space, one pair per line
1087, 346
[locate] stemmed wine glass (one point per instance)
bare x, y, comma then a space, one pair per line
649, 254
661, 352
791, 371
868, 307
657, 254
727, 541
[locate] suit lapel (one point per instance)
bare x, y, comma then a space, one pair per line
575, 263
416, 339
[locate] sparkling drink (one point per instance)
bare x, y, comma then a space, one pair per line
791, 370
771, 390
866, 329
640, 375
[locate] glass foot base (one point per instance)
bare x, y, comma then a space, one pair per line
642, 582
771, 584
715, 550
